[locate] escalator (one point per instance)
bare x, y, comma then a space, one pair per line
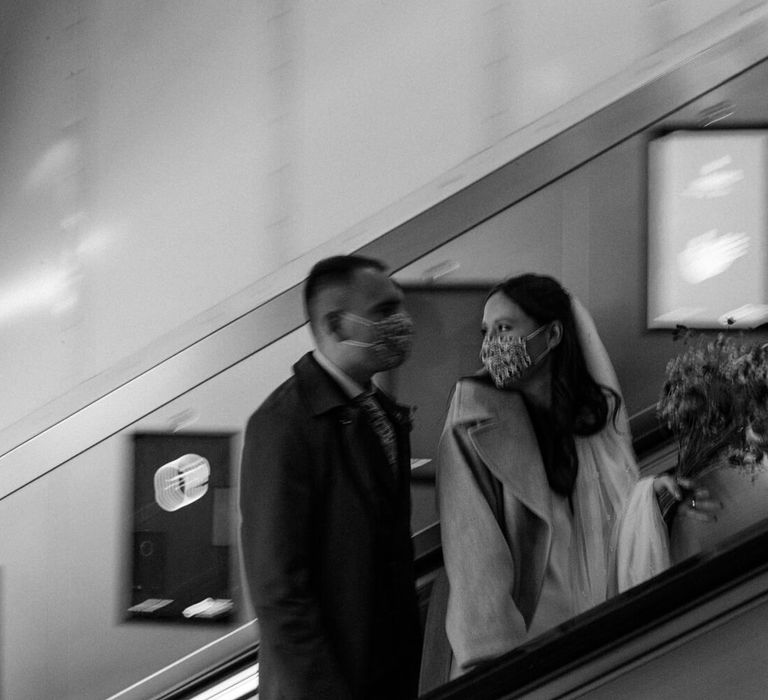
692, 631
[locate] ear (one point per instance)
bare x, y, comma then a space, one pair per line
332, 322
554, 334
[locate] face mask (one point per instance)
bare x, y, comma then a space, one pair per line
392, 338
506, 357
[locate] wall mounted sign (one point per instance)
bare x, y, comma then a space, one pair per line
181, 531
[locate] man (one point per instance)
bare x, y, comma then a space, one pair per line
325, 502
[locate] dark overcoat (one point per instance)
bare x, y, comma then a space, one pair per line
325, 537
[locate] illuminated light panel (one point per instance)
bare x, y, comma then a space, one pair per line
708, 228
181, 482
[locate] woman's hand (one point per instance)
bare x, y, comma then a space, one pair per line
693, 502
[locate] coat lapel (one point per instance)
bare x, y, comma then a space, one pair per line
508, 447
327, 402
511, 453
365, 461
500, 435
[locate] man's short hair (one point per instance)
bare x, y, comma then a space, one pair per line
336, 271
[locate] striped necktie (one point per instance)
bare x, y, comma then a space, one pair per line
381, 426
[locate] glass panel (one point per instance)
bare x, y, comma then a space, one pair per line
66, 555
162, 152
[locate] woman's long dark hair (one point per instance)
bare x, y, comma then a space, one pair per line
580, 406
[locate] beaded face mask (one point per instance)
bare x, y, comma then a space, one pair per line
506, 356
392, 339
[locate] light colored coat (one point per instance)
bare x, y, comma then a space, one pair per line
496, 517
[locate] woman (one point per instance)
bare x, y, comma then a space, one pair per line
535, 466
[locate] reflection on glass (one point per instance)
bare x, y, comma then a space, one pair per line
53, 290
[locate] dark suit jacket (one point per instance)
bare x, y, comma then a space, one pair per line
326, 544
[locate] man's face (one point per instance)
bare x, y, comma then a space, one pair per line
373, 327
373, 295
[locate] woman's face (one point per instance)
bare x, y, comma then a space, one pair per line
502, 315
511, 363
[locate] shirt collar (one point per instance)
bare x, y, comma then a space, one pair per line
348, 385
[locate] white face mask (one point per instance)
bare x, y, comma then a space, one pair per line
506, 356
392, 338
